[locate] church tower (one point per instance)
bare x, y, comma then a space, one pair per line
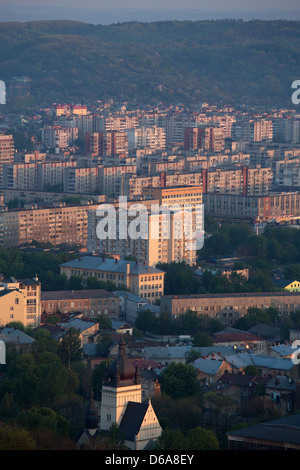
121, 385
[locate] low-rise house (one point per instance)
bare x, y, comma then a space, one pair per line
88, 330
282, 350
210, 369
265, 365
240, 387
268, 333
285, 392
121, 327
238, 338
166, 354
16, 338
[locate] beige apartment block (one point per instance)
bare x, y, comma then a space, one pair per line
7, 150
228, 308
174, 242
164, 236
20, 301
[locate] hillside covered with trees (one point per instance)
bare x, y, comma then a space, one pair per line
228, 61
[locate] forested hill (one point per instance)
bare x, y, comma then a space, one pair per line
226, 61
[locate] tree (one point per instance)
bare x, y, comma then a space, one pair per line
70, 348
13, 438
171, 439
103, 344
104, 321
202, 339
179, 380
201, 439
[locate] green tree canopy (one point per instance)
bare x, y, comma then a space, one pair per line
179, 380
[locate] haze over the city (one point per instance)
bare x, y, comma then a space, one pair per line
97, 12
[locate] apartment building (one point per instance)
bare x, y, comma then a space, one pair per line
252, 130
80, 180
69, 109
7, 150
20, 301
133, 186
107, 143
90, 302
106, 227
287, 172
244, 180
152, 137
20, 176
205, 138
228, 308
58, 137
63, 225
275, 206
83, 122
165, 226
116, 123
176, 241
110, 178
35, 175
142, 280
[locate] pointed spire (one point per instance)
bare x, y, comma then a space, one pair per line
137, 377
118, 376
122, 347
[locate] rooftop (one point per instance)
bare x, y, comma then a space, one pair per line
284, 430
76, 294
98, 263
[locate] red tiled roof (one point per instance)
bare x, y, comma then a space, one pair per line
234, 338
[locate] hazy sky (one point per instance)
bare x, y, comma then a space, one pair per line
164, 4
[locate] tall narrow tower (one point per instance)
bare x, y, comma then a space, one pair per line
120, 385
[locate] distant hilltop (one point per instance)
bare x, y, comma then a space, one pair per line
226, 61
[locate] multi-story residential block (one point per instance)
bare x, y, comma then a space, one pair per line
170, 220
133, 186
287, 172
20, 176
205, 138
110, 178
142, 280
252, 130
176, 240
88, 302
107, 144
36, 175
20, 301
244, 180
228, 308
274, 206
81, 180
152, 137
63, 225
7, 150
58, 137
116, 123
